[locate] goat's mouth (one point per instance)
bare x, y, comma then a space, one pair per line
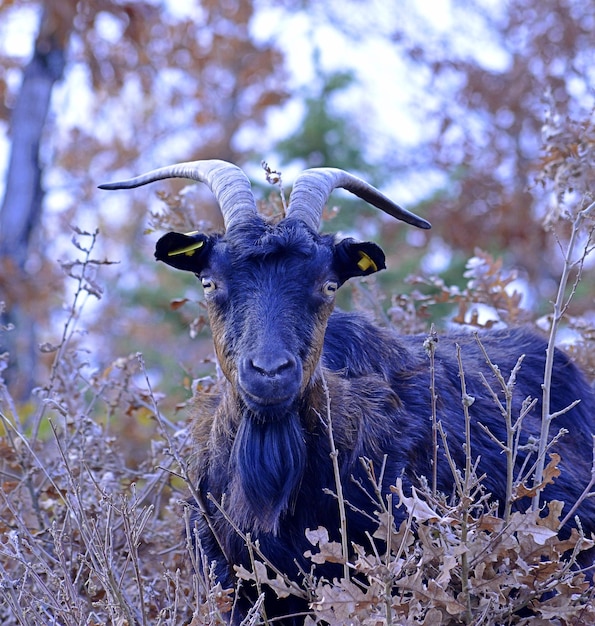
268, 405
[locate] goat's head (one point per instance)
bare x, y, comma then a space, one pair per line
270, 288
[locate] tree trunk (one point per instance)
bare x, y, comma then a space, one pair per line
21, 209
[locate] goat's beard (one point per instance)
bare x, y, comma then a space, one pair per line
269, 459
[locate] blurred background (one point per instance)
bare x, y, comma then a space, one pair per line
476, 114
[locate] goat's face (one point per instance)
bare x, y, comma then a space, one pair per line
269, 293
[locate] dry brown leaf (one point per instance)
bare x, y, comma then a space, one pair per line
449, 563
177, 303
552, 520
433, 618
416, 507
550, 473
261, 576
400, 539
340, 602
490, 523
528, 524
571, 542
329, 551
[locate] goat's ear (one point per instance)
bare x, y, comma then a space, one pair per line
357, 258
184, 252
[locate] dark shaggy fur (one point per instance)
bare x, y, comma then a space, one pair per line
262, 446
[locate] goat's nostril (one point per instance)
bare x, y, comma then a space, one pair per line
272, 366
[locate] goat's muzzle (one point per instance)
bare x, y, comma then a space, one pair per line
270, 382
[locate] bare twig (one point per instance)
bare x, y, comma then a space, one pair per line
430, 348
513, 429
466, 401
339, 486
560, 306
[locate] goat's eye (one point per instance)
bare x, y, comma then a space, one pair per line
208, 284
330, 288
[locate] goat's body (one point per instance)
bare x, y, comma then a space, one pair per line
263, 451
379, 391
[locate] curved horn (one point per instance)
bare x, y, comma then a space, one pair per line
228, 183
313, 187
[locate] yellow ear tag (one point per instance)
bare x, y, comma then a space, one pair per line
365, 263
187, 250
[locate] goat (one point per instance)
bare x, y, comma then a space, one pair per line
262, 448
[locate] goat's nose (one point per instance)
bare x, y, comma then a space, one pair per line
272, 366
269, 380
